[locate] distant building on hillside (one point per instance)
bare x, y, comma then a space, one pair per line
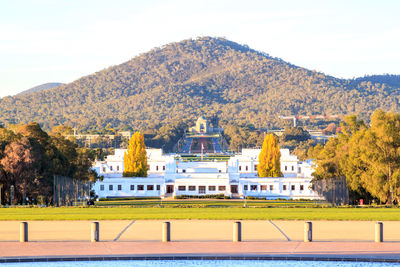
203, 127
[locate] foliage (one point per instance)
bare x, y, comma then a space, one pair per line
270, 158
206, 76
369, 157
29, 158
135, 159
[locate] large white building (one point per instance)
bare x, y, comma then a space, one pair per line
172, 175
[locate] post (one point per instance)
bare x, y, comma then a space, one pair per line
237, 232
379, 232
23, 232
166, 232
95, 232
308, 232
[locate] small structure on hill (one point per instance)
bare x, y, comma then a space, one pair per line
204, 127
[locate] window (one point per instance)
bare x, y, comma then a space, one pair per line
219, 171
301, 187
299, 170
110, 187
247, 168
111, 168
285, 168
181, 188
148, 167
202, 189
192, 188
163, 168
150, 187
255, 167
102, 187
271, 187
119, 187
117, 167
158, 187
292, 168
253, 187
284, 187
240, 168
140, 187
157, 168
293, 188
221, 188
263, 188
132, 187
104, 169
245, 187
211, 188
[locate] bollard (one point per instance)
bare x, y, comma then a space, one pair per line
308, 232
23, 232
95, 233
237, 232
379, 232
166, 232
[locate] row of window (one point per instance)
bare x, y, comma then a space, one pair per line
148, 167
271, 187
247, 168
111, 168
149, 187
157, 167
194, 188
255, 168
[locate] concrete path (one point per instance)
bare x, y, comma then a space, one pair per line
200, 230
44, 251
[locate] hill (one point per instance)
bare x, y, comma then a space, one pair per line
44, 86
214, 77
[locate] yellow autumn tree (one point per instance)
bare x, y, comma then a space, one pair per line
270, 158
135, 159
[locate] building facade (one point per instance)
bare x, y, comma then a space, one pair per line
236, 177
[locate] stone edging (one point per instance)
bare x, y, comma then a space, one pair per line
204, 257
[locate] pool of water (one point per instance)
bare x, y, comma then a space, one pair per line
214, 263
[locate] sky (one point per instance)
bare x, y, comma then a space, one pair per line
62, 40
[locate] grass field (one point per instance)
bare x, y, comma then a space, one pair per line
207, 203
210, 210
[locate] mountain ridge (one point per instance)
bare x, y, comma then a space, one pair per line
207, 76
44, 86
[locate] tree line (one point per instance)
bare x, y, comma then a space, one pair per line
367, 155
30, 157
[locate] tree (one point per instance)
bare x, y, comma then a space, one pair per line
135, 159
18, 166
270, 158
380, 151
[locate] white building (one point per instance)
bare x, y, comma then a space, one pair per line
172, 175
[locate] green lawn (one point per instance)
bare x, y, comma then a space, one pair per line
187, 203
224, 213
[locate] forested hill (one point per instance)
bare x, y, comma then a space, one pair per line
208, 76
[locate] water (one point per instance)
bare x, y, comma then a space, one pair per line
214, 263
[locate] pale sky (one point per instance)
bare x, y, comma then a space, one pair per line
62, 40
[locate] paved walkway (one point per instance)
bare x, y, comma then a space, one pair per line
200, 230
44, 251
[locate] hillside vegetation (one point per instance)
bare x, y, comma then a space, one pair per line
213, 77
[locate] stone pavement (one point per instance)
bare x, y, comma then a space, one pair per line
47, 251
200, 230
334, 240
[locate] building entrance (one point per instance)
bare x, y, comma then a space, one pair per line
170, 189
234, 189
